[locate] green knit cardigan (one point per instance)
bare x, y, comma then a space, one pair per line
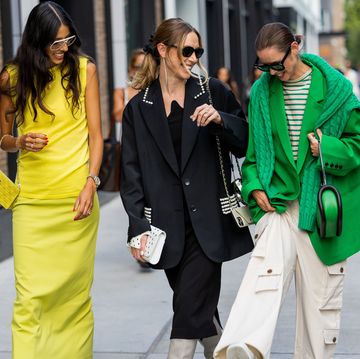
339, 103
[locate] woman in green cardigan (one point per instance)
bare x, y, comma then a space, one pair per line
298, 101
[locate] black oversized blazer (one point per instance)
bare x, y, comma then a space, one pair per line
152, 180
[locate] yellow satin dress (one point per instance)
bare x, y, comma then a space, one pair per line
53, 254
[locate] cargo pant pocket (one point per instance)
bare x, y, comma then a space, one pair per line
333, 292
331, 336
268, 279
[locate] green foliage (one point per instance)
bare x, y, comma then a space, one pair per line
352, 26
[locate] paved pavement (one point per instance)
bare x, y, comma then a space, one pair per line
5, 234
133, 307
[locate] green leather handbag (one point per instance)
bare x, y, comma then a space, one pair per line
329, 213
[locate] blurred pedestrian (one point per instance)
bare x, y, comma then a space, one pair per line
50, 91
170, 170
224, 75
352, 76
123, 95
253, 76
298, 101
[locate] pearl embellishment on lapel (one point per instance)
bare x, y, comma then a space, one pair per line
202, 90
145, 96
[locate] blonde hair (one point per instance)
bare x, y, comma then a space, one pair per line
170, 32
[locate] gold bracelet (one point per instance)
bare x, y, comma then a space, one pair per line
18, 143
1, 140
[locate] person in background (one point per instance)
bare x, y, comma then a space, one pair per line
224, 75
50, 92
122, 96
253, 76
299, 101
170, 177
352, 76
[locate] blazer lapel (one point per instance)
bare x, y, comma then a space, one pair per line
278, 118
153, 112
314, 106
195, 95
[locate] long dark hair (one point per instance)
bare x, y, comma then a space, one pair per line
33, 65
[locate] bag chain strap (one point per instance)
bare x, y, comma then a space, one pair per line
219, 147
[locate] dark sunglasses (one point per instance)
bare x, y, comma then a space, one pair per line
187, 51
277, 66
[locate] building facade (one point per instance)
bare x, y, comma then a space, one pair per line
304, 18
332, 36
110, 29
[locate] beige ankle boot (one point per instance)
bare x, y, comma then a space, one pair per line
210, 343
182, 348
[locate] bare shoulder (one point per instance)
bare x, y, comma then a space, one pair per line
90, 68
4, 76
4, 79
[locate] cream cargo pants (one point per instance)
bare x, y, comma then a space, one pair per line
281, 250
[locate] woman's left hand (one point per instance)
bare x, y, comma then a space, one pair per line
85, 200
205, 114
314, 143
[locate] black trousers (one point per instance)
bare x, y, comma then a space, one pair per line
195, 282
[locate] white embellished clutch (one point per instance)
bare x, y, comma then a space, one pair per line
154, 244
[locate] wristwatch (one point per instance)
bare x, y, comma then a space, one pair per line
96, 179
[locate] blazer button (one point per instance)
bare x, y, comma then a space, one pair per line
334, 340
341, 270
193, 208
340, 167
187, 182
326, 163
336, 166
332, 165
269, 270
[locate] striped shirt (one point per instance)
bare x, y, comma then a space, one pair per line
295, 96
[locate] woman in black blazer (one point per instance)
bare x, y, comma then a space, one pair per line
170, 172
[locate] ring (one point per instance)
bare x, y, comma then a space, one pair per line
88, 213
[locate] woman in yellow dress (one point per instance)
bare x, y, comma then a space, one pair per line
50, 90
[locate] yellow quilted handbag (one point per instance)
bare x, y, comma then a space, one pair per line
8, 191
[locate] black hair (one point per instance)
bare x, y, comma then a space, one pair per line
33, 64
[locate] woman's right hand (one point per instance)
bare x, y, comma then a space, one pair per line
262, 200
138, 253
32, 142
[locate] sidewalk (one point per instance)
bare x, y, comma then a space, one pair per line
133, 307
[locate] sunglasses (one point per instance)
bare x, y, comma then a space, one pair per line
187, 51
58, 44
277, 66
